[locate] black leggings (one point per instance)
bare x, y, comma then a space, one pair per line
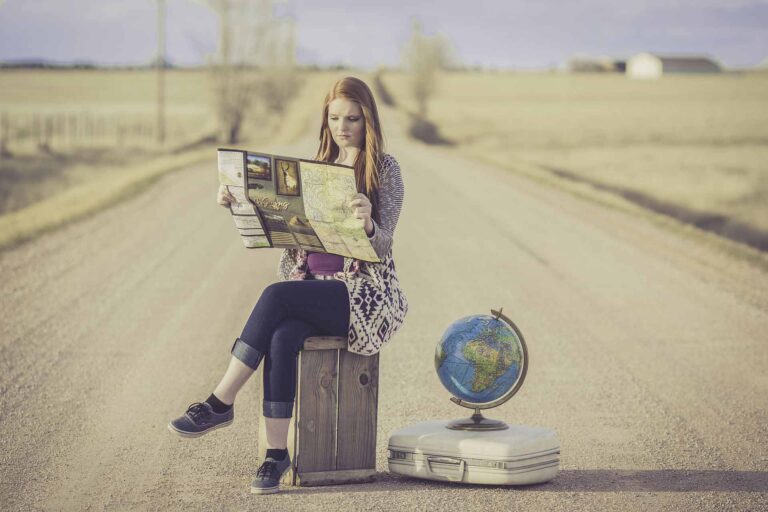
285, 315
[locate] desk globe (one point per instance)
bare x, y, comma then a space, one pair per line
481, 360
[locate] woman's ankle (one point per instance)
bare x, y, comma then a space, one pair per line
277, 453
218, 405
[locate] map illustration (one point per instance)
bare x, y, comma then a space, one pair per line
327, 190
293, 203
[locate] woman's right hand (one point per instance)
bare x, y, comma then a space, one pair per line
224, 197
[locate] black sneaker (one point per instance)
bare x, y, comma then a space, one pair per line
268, 475
200, 419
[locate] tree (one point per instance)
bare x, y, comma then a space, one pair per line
423, 57
254, 72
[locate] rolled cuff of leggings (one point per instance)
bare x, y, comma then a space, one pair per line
247, 354
277, 409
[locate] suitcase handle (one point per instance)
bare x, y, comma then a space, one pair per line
448, 460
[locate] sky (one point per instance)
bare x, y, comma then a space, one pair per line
511, 34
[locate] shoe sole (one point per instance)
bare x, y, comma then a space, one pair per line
268, 490
198, 434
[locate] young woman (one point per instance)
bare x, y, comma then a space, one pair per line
318, 294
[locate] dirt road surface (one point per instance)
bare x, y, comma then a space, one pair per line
648, 350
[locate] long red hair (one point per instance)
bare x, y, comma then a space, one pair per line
367, 161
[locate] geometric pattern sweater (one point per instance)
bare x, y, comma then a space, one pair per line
377, 303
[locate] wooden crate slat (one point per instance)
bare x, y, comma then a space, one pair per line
358, 407
336, 477
325, 343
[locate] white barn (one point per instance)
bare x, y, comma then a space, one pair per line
653, 66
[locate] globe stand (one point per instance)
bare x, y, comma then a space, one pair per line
476, 422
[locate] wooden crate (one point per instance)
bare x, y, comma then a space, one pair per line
333, 432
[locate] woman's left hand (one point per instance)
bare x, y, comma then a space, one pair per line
362, 206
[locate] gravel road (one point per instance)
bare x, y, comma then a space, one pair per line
648, 350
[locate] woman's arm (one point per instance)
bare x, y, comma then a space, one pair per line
391, 194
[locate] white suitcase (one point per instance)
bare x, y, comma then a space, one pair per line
519, 455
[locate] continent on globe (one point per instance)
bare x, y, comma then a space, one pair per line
490, 363
479, 359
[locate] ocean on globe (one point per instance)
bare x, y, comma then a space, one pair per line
479, 358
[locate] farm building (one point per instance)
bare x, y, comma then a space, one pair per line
652, 66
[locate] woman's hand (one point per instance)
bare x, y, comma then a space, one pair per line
362, 206
223, 197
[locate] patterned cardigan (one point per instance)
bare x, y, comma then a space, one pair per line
377, 303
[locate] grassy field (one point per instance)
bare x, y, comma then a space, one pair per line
695, 147
126, 92
32, 175
106, 96
40, 190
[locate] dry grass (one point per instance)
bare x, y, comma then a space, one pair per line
697, 144
117, 108
112, 91
39, 192
122, 96
98, 192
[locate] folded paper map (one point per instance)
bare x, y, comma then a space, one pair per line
294, 203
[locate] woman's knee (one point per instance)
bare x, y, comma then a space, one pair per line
273, 292
288, 338
272, 303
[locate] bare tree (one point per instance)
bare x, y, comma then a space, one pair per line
254, 72
423, 56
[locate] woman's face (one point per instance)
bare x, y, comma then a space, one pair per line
346, 122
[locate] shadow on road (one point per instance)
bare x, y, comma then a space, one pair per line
661, 480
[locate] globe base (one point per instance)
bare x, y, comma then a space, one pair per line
477, 422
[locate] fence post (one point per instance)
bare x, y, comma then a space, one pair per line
48, 133
4, 136
71, 130
36, 131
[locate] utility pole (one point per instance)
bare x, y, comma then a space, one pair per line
160, 72
224, 32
